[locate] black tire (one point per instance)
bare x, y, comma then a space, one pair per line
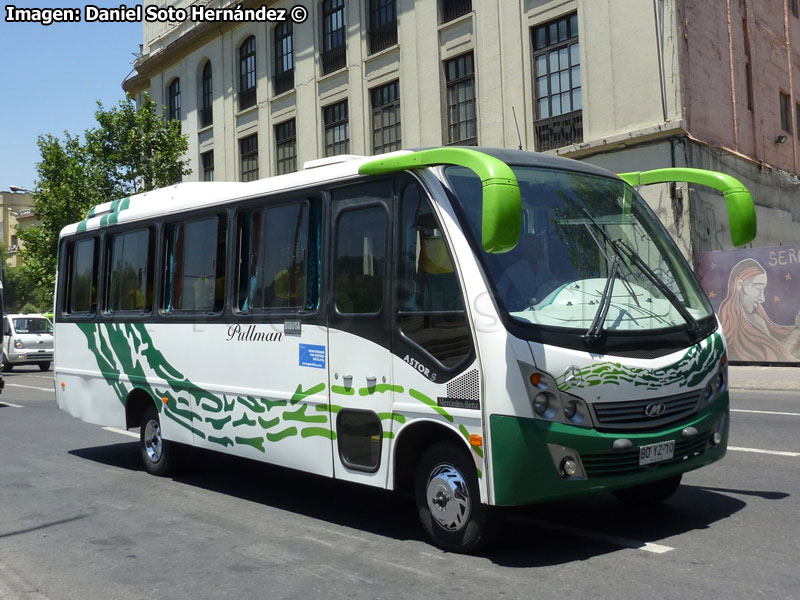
44, 366
158, 454
7, 366
649, 493
448, 500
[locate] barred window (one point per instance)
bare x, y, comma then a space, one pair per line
206, 97
174, 97
283, 80
248, 157
382, 25
247, 73
337, 129
334, 36
285, 147
452, 9
385, 102
462, 120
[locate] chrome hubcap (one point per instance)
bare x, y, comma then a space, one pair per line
448, 497
152, 440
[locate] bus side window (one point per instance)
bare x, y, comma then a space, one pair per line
81, 296
130, 276
360, 263
195, 265
431, 304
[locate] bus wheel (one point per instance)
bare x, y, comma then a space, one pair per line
448, 500
649, 493
156, 451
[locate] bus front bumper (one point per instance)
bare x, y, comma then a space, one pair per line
528, 454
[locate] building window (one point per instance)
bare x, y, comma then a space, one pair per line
786, 116
337, 129
793, 6
247, 73
452, 9
206, 97
174, 98
382, 24
248, 157
283, 80
385, 102
462, 121
285, 147
797, 118
207, 159
334, 32
557, 83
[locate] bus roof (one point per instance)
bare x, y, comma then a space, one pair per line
186, 196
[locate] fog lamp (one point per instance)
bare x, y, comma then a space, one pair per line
568, 467
716, 438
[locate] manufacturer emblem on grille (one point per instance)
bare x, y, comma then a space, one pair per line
655, 409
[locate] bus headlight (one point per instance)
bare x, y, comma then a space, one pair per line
541, 402
551, 404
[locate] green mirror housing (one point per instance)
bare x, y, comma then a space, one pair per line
501, 219
739, 201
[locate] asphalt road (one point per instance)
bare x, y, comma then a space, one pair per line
80, 519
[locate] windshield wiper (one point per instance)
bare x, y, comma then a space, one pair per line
595, 330
634, 257
608, 240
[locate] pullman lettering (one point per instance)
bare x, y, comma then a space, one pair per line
251, 334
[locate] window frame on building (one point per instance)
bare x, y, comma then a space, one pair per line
382, 31
557, 40
385, 105
335, 119
286, 147
248, 158
461, 109
333, 50
206, 111
248, 82
207, 163
785, 111
283, 78
450, 10
174, 99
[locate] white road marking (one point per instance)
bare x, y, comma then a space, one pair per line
122, 431
30, 387
766, 412
9, 404
601, 537
759, 451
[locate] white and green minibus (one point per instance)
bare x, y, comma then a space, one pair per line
481, 327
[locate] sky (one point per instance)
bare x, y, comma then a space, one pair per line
51, 78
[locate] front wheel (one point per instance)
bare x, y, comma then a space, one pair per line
157, 453
649, 493
7, 366
43, 366
448, 499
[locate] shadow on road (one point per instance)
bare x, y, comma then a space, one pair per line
540, 535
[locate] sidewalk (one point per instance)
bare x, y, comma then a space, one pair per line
764, 378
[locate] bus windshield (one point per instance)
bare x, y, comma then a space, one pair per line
592, 257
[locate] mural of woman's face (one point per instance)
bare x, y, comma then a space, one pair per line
751, 293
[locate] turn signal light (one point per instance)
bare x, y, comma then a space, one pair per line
475, 439
536, 379
165, 400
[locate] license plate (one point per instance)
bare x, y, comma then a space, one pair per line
653, 453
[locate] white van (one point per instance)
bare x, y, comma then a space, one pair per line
27, 339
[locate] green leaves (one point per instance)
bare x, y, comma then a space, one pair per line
133, 150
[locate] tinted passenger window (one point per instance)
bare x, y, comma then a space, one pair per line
278, 257
431, 305
195, 265
360, 262
82, 274
130, 285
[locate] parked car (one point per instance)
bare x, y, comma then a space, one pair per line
27, 339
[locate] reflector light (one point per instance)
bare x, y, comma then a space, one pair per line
476, 439
165, 400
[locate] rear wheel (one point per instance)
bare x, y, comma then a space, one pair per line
649, 493
157, 453
448, 499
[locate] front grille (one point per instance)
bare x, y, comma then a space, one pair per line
40, 356
611, 416
627, 463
